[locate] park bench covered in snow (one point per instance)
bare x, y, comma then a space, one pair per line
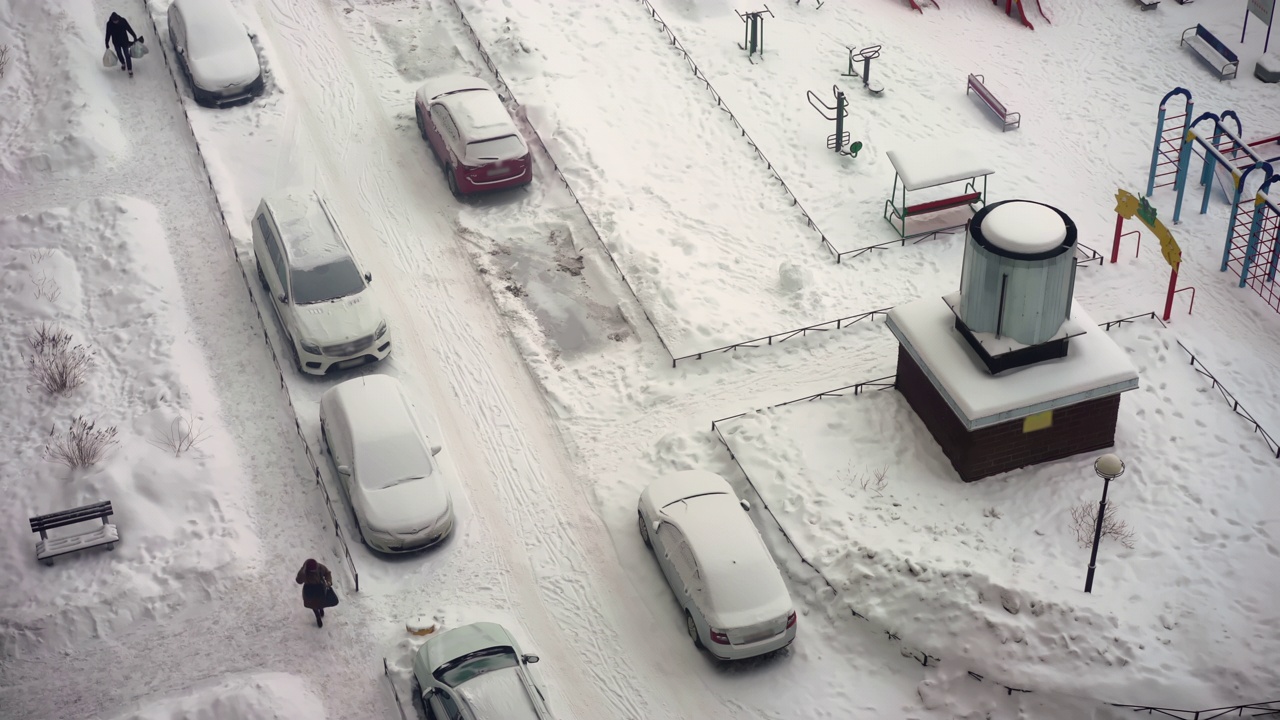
1220, 57
49, 548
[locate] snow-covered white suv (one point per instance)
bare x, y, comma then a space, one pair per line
330, 317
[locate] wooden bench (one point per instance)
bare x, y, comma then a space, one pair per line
1220, 57
939, 205
1009, 119
49, 548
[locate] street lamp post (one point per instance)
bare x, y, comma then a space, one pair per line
1109, 467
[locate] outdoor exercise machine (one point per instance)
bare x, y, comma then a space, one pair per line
928, 166
865, 56
753, 31
838, 113
1129, 206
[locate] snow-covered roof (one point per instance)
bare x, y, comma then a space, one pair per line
385, 435
926, 165
499, 694
309, 237
213, 29
1094, 367
1024, 227
480, 114
997, 346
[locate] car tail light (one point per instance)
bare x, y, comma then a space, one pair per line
718, 637
791, 620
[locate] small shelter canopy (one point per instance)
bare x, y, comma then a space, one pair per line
924, 166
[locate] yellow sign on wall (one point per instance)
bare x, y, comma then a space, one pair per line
1129, 205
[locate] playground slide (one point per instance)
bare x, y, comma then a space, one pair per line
1022, 13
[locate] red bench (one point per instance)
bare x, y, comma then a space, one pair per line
1011, 120
943, 204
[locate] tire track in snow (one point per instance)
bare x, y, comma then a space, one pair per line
516, 449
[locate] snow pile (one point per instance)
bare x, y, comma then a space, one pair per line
989, 574
101, 273
256, 696
59, 115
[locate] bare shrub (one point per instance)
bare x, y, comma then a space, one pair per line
1085, 516
992, 512
57, 366
4, 59
39, 255
875, 481
81, 445
46, 287
182, 435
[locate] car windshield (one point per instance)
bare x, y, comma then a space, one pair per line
392, 460
471, 665
330, 281
507, 147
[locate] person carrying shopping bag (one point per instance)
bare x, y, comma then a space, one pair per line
118, 32
317, 589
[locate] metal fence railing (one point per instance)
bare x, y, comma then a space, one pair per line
1201, 368
767, 340
248, 286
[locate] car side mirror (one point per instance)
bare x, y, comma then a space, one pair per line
435, 450
344, 470
657, 524
745, 505
531, 659
368, 277
284, 298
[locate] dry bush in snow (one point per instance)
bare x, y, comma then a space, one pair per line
1085, 515
57, 366
183, 434
875, 481
46, 287
4, 59
81, 445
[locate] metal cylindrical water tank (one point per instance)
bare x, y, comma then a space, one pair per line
1019, 271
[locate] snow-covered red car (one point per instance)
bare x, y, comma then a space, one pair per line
735, 602
471, 135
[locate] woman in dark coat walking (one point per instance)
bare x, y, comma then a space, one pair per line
118, 32
315, 580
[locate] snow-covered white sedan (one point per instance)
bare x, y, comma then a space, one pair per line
385, 464
215, 52
735, 602
471, 135
477, 672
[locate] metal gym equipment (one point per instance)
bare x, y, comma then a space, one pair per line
753, 31
865, 56
838, 113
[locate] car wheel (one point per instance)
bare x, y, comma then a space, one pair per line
422, 125
452, 179
644, 531
293, 353
262, 278
692, 628
324, 440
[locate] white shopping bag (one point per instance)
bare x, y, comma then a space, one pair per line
138, 49
108, 58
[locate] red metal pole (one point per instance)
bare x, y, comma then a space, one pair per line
1173, 282
1115, 244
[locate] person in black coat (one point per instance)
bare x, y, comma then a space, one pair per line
118, 32
315, 580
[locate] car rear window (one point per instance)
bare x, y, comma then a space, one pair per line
330, 281
507, 147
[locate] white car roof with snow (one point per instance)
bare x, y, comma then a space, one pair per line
213, 28
686, 483
388, 443
309, 237
499, 694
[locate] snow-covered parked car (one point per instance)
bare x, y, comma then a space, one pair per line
215, 52
735, 602
471, 135
385, 463
329, 314
477, 672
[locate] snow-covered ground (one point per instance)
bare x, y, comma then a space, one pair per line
555, 400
